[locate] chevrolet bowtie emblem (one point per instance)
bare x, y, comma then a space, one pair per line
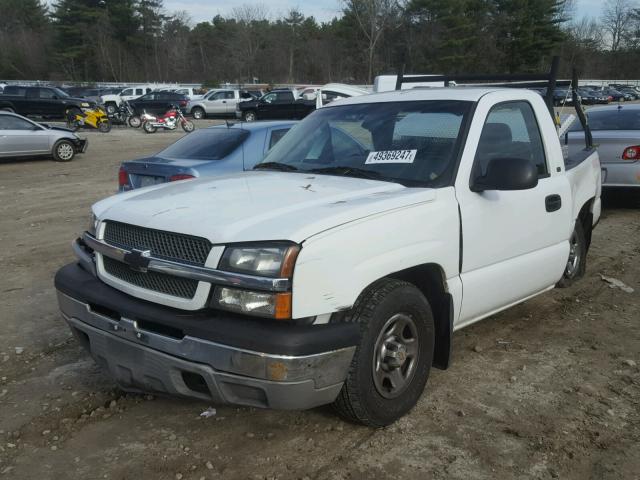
138, 260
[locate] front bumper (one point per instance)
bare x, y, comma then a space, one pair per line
81, 145
150, 348
621, 174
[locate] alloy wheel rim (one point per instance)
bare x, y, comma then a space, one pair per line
395, 356
574, 256
65, 151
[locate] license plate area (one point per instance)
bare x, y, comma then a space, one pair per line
147, 180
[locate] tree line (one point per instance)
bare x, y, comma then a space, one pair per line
139, 41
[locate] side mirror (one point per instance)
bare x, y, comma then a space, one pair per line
507, 174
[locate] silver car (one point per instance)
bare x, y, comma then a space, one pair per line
21, 137
616, 134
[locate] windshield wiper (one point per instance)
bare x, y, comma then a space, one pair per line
283, 167
353, 172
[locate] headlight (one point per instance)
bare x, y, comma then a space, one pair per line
269, 260
85, 104
262, 304
93, 224
275, 260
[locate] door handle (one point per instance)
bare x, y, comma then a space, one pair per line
553, 202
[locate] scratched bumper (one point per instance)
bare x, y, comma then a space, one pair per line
146, 361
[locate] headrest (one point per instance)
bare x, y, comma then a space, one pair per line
493, 133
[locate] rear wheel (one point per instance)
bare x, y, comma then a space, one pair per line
198, 113
111, 108
391, 365
104, 126
147, 127
63, 151
577, 261
249, 116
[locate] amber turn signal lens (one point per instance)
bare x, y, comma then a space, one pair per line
283, 306
289, 261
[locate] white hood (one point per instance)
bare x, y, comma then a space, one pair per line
254, 206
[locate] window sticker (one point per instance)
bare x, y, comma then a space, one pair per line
391, 156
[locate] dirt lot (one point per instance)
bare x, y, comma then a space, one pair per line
549, 389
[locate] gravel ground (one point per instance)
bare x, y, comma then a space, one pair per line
548, 389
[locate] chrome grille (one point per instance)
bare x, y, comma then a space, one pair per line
158, 282
166, 245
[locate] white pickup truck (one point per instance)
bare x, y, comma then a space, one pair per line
338, 270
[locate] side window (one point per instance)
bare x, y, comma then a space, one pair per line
276, 135
139, 91
217, 96
47, 94
9, 122
228, 95
127, 91
284, 97
269, 98
511, 131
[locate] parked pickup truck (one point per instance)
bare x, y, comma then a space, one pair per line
47, 102
276, 105
337, 270
218, 103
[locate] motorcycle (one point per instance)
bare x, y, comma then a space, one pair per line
126, 115
168, 121
87, 117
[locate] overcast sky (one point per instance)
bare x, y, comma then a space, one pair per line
322, 10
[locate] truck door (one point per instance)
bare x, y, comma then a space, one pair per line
269, 107
216, 104
514, 242
50, 104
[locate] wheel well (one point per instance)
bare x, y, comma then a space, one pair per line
585, 217
431, 281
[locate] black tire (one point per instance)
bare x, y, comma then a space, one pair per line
111, 108
188, 126
577, 261
72, 125
198, 113
134, 121
147, 127
104, 126
249, 116
63, 151
364, 398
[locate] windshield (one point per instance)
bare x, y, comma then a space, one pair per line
206, 144
618, 119
412, 143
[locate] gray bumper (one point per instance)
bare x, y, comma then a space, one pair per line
145, 361
621, 174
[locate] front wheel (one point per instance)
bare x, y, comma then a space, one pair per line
134, 121
104, 126
249, 116
188, 126
147, 127
391, 365
577, 261
63, 151
198, 113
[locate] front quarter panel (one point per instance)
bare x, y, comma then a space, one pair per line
334, 267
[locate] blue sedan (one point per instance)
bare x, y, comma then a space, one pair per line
206, 152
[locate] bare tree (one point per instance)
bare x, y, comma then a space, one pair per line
616, 21
372, 17
249, 17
